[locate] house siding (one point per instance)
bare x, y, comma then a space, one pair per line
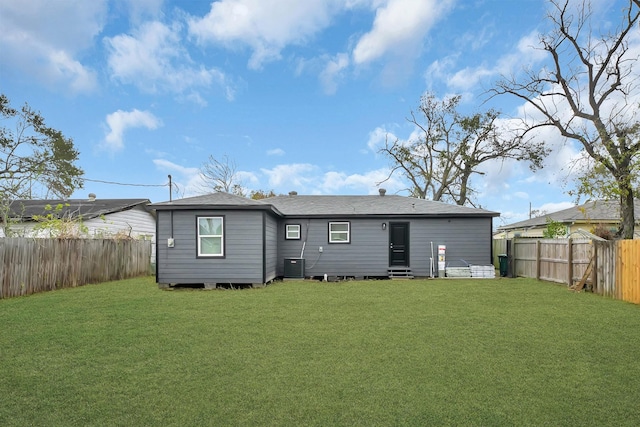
243, 240
136, 222
270, 247
368, 252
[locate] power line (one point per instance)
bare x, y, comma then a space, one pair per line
123, 183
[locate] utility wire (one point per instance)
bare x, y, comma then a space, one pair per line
122, 183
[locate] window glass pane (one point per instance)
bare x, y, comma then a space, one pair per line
210, 226
339, 237
340, 227
339, 232
211, 245
293, 231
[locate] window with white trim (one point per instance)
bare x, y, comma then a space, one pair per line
339, 232
210, 236
292, 232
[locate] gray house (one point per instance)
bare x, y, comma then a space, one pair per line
221, 239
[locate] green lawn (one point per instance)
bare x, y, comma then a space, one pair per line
438, 352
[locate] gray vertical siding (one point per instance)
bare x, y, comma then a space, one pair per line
271, 247
255, 246
243, 261
468, 241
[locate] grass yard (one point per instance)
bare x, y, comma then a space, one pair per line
437, 352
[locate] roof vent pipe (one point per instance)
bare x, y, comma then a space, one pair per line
293, 193
382, 191
92, 197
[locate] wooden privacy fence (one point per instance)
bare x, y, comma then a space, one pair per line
609, 268
35, 265
553, 260
617, 270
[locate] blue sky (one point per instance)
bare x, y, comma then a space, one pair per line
300, 94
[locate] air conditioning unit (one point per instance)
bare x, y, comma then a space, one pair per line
294, 268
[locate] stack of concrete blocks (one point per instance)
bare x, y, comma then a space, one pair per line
483, 271
458, 272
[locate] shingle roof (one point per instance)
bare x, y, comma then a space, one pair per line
369, 205
217, 199
301, 205
594, 211
26, 209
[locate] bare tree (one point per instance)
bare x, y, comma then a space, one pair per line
587, 93
449, 149
221, 175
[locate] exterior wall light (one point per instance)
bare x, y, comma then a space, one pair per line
384, 225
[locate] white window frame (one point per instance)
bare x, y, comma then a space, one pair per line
200, 236
292, 232
332, 233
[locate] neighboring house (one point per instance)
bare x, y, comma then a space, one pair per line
224, 239
586, 217
98, 217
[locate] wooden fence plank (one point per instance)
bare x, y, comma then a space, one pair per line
628, 274
614, 271
37, 265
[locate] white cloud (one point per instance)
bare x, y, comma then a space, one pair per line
169, 166
549, 208
275, 152
44, 39
378, 137
521, 195
333, 72
139, 10
297, 175
119, 121
310, 179
265, 26
366, 183
523, 55
153, 59
187, 180
399, 28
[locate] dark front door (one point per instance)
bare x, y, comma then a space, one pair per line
399, 244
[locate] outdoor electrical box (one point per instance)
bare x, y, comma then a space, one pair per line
294, 268
441, 260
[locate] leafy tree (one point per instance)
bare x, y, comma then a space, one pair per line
34, 155
554, 229
587, 94
450, 148
55, 223
597, 182
221, 175
261, 194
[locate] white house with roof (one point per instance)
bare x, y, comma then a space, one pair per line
91, 218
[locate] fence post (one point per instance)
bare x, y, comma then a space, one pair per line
594, 269
569, 262
538, 259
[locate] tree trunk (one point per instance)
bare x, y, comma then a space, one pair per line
627, 212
